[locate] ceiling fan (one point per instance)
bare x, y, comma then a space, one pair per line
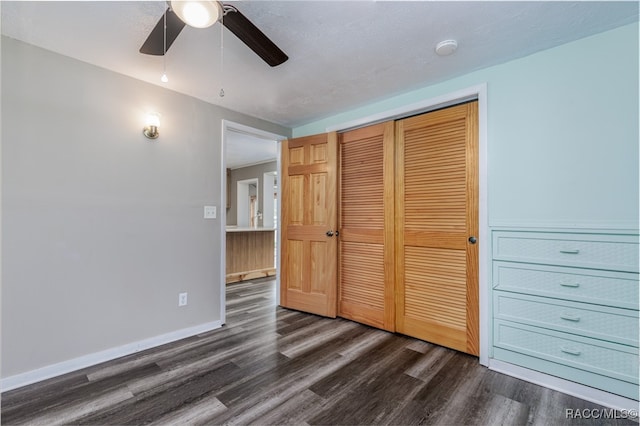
202, 14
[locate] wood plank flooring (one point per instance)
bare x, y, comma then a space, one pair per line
270, 365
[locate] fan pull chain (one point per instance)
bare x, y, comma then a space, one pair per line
164, 77
221, 54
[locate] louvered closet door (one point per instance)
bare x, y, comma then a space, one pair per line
436, 214
366, 273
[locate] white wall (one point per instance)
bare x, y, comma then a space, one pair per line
251, 172
102, 228
268, 201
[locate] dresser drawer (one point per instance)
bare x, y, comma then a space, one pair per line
580, 285
617, 253
599, 357
578, 375
598, 322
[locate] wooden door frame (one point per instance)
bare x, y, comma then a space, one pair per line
231, 126
478, 93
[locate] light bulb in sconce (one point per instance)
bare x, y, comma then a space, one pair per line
164, 78
152, 123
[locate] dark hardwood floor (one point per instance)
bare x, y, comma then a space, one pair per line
270, 365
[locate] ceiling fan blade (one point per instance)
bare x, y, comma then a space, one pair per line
154, 45
255, 39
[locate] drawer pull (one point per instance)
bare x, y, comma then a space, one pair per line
570, 351
570, 317
566, 284
569, 251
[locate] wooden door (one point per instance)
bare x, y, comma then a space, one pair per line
309, 251
436, 216
366, 261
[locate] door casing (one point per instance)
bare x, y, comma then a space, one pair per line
228, 126
479, 93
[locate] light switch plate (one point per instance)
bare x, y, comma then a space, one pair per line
182, 299
210, 212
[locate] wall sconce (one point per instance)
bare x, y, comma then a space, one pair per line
151, 126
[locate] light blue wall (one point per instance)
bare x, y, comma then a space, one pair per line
562, 132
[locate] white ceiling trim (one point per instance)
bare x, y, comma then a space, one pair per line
416, 108
251, 131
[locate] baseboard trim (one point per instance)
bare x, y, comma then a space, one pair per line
565, 386
58, 369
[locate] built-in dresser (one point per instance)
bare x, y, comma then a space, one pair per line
566, 304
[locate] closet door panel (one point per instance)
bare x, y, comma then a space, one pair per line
436, 213
436, 271
365, 291
362, 279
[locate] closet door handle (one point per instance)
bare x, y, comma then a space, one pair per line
473, 240
570, 317
329, 233
570, 351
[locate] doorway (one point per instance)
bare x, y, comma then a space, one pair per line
243, 146
478, 93
434, 293
247, 203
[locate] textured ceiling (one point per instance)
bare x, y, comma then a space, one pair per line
342, 54
243, 150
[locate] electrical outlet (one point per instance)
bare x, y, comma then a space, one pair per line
182, 299
210, 212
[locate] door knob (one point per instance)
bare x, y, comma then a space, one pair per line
329, 233
473, 240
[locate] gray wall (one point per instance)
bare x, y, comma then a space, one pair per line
102, 228
243, 173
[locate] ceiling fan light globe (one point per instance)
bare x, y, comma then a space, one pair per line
198, 14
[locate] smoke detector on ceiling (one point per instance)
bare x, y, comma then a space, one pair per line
446, 47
